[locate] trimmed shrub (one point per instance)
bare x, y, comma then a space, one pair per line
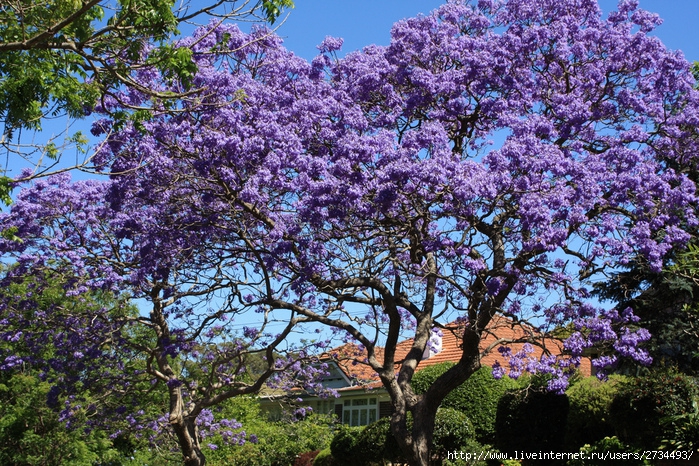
477, 397
642, 404
588, 418
375, 442
452, 429
343, 445
324, 458
472, 450
531, 420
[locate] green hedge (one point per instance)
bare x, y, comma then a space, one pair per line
477, 397
643, 406
588, 418
344, 445
531, 420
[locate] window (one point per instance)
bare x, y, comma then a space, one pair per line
360, 412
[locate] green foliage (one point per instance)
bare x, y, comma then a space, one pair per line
343, 445
324, 458
451, 430
666, 303
588, 419
530, 420
477, 397
59, 57
31, 433
278, 442
474, 449
686, 433
597, 454
643, 403
273, 8
374, 442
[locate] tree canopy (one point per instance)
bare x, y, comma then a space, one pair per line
60, 57
496, 159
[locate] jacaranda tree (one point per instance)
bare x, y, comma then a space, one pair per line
496, 159
185, 351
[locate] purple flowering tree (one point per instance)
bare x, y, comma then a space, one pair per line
137, 319
498, 158
505, 157
160, 235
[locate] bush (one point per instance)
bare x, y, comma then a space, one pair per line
477, 397
278, 443
376, 442
588, 418
452, 429
531, 420
343, 445
643, 403
324, 458
686, 433
472, 449
623, 454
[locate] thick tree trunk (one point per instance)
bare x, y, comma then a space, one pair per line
416, 442
423, 428
186, 432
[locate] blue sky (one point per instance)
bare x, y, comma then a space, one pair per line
365, 22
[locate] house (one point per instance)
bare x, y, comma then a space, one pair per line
362, 398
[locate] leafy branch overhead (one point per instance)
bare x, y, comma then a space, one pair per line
61, 56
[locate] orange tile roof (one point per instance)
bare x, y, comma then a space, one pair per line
351, 358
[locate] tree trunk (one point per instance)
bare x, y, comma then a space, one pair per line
186, 432
423, 427
416, 441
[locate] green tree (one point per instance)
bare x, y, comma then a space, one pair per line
62, 57
647, 410
666, 303
34, 426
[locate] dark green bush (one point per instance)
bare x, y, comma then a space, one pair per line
472, 450
598, 454
324, 458
343, 445
375, 442
452, 429
643, 403
531, 420
477, 397
588, 418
